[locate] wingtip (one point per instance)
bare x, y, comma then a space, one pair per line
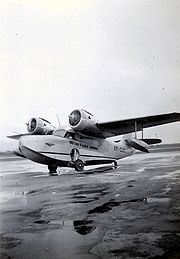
11, 137
177, 115
16, 137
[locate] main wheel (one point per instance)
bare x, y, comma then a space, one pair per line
79, 165
115, 164
52, 169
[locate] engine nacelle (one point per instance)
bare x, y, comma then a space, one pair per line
81, 120
40, 126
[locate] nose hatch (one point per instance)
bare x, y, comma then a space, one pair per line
27, 141
20, 142
23, 147
26, 149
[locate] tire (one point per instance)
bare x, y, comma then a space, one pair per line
52, 170
115, 164
79, 165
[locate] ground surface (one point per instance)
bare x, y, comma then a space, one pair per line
130, 212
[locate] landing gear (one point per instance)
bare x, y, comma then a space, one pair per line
79, 165
52, 170
74, 154
115, 164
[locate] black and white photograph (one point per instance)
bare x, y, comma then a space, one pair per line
90, 129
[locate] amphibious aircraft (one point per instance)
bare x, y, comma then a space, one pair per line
85, 141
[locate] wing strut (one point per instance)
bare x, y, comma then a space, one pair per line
135, 128
142, 133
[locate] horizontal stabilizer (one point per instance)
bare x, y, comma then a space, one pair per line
138, 144
151, 141
17, 136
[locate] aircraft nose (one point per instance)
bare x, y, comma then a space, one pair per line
22, 145
26, 142
30, 147
27, 147
22, 142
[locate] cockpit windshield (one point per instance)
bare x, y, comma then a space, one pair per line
60, 133
64, 133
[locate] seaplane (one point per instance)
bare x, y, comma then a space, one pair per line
86, 141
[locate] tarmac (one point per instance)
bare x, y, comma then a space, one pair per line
129, 212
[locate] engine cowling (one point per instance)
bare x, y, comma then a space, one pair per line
39, 126
81, 120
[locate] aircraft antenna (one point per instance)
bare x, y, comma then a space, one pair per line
58, 120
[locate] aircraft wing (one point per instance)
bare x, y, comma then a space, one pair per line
121, 127
17, 136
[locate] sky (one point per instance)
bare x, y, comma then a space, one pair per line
116, 59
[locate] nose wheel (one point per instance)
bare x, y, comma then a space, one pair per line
79, 165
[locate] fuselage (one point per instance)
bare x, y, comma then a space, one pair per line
51, 149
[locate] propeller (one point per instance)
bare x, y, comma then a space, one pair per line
31, 125
74, 118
